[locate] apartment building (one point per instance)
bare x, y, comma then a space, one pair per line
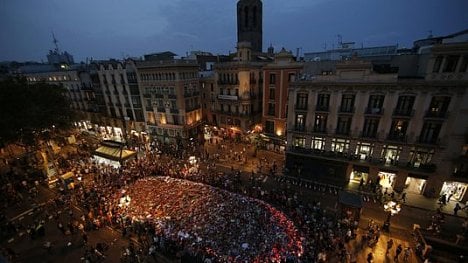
118, 99
279, 74
238, 91
404, 133
171, 98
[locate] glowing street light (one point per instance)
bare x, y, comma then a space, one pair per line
392, 208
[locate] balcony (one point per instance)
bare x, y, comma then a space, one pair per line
320, 130
172, 96
342, 132
370, 135
161, 109
398, 137
299, 128
344, 109
158, 96
436, 114
403, 112
323, 108
174, 111
374, 111
429, 141
300, 107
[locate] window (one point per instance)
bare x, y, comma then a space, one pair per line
300, 122
364, 150
320, 123
272, 93
301, 101
451, 63
404, 105
398, 130
291, 77
272, 78
375, 104
347, 103
343, 125
420, 156
318, 143
271, 109
270, 127
430, 132
323, 101
437, 64
299, 142
370, 128
391, 154
340, 145
438, 106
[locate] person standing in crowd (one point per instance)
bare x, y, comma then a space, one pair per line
456, 209
398, 251
389, 246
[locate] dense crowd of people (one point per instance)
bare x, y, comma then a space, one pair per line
203, 223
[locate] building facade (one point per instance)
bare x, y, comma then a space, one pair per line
278, 76
238, 92
119, 100
406, 134
171, 98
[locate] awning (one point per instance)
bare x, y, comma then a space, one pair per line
350, 199
115, 154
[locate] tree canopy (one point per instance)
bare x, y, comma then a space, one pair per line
28, 108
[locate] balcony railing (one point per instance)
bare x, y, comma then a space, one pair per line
158, 96
436, 114
374, 111
342, 131
397, 137
403, 112
371, 135
172, 96
320, 130
431, 140
321, 108
344, 109
300, 107
299, 128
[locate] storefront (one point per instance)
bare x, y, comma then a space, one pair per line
359, 173
387, 179
415, 185
455, 190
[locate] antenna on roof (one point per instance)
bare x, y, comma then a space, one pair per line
55, 41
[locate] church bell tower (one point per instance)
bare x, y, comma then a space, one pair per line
249, 23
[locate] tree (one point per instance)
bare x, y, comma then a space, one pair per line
26, 109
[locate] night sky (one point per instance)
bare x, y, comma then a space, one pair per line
104, 29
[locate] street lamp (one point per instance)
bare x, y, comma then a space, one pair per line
392, 208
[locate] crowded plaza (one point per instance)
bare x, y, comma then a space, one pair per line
176, 203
